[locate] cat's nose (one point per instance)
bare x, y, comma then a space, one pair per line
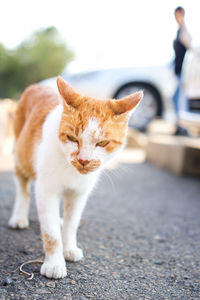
83, 162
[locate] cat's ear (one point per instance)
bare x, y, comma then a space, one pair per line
125, 104
69, 96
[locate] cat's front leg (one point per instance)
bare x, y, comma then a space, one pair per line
48, 211
73, 208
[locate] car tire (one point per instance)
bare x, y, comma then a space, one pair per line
149, 108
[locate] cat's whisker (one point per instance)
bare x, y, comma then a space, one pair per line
126, 168
115, 172
105, 173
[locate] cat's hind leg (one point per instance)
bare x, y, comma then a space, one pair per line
19, 218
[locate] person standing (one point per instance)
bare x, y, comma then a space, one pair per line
181, 44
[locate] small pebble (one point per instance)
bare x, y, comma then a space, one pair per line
51, 284
159, 262
8, 281
159, 238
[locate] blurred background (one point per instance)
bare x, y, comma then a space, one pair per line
94, 34
105, 49
141, 228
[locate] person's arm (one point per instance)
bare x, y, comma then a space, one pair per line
185, 37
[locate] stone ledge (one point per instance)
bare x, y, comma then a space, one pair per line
180, 155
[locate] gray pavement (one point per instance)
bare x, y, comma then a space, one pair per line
140, 234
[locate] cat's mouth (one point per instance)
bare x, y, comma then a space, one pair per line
89, 167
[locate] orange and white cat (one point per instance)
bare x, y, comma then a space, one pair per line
63, 141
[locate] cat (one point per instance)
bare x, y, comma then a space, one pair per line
63, 140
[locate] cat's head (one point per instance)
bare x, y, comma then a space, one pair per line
92, 131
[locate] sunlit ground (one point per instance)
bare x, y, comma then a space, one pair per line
128, 156
6, 163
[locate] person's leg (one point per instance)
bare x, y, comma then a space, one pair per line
180, 103
176, 99
182, 100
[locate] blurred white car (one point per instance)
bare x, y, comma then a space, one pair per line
158, 84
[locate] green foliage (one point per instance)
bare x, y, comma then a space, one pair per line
41, 56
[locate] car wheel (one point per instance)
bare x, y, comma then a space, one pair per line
148, 109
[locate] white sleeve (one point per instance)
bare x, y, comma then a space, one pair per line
185, 37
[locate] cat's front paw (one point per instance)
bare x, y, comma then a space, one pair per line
54, 270
75, 254
20, 223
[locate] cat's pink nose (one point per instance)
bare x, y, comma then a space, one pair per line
83, 162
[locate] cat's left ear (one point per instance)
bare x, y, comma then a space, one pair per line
69, 96
125, 104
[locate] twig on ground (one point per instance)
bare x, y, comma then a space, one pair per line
31, 275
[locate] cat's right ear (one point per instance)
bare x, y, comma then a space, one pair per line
69, 96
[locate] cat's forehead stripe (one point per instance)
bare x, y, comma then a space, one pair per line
92, 130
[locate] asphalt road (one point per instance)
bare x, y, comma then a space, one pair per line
140, 234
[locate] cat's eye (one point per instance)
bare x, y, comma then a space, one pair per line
71, 138
102, 143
